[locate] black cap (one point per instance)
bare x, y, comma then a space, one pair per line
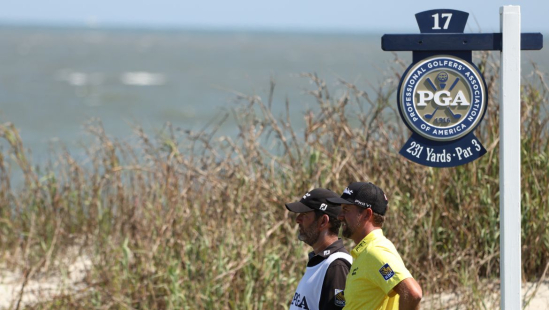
365, 195
317, 199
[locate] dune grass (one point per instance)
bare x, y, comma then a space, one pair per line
196, 220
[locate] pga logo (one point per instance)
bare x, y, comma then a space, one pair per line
442, 98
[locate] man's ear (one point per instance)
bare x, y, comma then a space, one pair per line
367, 214
324, 220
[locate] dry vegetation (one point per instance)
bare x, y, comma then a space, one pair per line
195, 220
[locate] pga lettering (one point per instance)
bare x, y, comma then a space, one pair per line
442, 98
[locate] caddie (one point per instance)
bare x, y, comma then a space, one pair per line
322, 285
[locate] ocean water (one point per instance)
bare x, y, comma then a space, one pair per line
54, 80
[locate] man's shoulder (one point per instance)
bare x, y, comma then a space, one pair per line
379, 250
341, 258
336, 253
341, 261
381, 244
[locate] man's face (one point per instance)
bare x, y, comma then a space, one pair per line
308, 227
350, 217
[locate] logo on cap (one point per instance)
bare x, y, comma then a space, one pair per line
306, 195
323, 207
347, 191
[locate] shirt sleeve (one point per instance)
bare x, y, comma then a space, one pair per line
387, 270
335, 278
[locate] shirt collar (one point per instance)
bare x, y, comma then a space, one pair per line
363, 244
332, 248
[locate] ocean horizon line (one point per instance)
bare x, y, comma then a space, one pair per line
199, 29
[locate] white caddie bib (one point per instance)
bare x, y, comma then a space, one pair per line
307, 295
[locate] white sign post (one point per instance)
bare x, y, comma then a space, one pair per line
509, 170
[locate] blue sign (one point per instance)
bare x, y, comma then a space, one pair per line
442, 95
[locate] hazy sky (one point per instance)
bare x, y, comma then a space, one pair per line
282, 15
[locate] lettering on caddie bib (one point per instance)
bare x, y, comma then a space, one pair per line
300, 301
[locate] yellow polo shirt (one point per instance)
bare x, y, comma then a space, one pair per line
376, 269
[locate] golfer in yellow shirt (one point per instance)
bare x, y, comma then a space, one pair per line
378, 278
